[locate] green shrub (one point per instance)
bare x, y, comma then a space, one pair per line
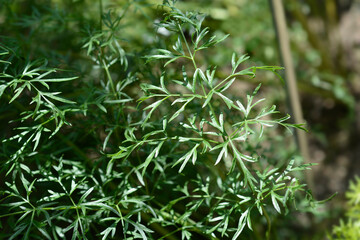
89, 156
349, 229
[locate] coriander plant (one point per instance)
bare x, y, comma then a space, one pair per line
136, 144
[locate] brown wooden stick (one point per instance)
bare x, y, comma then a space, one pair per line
290, 79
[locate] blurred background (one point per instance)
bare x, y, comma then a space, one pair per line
325, 46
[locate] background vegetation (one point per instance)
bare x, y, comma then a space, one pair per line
62, 150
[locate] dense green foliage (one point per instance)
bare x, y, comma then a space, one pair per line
119, 136
350, 229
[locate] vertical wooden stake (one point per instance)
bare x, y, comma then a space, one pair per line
290, 79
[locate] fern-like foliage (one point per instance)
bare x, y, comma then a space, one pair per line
136, 144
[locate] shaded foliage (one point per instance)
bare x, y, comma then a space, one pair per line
134, 137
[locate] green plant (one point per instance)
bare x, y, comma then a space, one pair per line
349, 230
101, 161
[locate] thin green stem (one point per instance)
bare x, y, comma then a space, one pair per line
108, 75
203, 88
239, 128
11, 214
194, 63
277, 189
101, 13
176, 95
188, 223
187, 45
171, 233
158, 228
230, 77
192, 56
173, 138
268, 220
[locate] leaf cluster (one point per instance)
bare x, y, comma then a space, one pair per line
138, 148
349, 229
